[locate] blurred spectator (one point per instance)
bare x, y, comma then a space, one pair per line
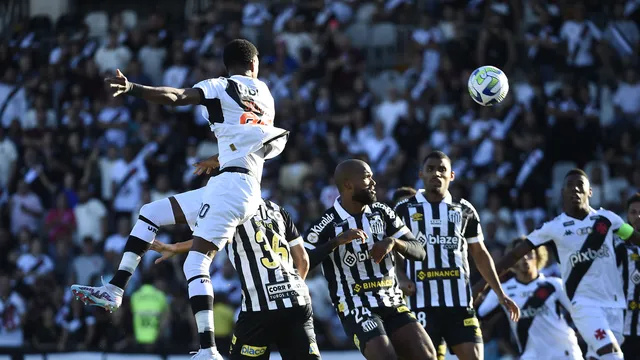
33, 264
91, 217
150, 311
112, 55
8, 158
152, 56
26, 209
78, 326
12, 313
88, 266
60, 221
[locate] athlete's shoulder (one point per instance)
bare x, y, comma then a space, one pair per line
388, 211
466, 205
553, 280
610, 215
404, 204
510, 284
319, 227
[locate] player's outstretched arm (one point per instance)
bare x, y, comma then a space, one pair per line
170, 250
507, 261
320, 252
487, 269
163, 95
407, 245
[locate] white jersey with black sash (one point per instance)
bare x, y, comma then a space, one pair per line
261, 254
354, 279
446, 229
587, 256
542, 331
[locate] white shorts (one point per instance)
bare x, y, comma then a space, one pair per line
190, 203
228, 200
598, 326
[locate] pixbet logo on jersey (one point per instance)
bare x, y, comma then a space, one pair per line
447, 242
588, 255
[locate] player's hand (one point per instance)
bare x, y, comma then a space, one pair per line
119, 84
407, 286
514, 310
381, 248
166, 250
207, 166
350, 235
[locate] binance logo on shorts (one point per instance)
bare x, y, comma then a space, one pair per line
253, 351
313, 349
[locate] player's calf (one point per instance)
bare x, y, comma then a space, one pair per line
196, 271
412, 342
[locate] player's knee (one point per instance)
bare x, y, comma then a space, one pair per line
195, 265
159, 213
380, 349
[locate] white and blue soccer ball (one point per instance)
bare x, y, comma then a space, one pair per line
488, 85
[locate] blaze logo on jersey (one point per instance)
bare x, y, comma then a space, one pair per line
635, 277
423, 239
588, 255
600, 334
447, 242
349, 259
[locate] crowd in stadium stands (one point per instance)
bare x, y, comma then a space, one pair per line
378, 80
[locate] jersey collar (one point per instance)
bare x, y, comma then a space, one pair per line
343, 213
567, 217
448, 199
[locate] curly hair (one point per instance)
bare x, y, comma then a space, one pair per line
238, 54
542, 254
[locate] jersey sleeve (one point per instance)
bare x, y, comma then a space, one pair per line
317, 234
473, 231
212, 88
291, 231
541, 235
489, 305
395, 227
619, 227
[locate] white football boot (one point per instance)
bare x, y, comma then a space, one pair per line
104, 296
207, 354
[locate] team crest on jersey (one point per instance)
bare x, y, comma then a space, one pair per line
376, 224
635, 276
455, 217
312, 238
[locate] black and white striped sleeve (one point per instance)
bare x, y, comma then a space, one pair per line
292, 234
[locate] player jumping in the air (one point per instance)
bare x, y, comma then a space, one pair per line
542, 331
361, 274
268, 254
449, 229
241, 112
584, 238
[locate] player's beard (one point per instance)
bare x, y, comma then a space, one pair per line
364, 196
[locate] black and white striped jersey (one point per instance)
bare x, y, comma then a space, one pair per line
542, 331
629, 265
260, 253
355, 280
446, 229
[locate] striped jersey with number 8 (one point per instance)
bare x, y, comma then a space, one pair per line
260, 253
446, 229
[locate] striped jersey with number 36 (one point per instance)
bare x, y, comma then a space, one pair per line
354, 279
261, 254
628, 256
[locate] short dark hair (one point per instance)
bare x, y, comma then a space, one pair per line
238, 54
436, 155
633, 199
402, 193
576, 171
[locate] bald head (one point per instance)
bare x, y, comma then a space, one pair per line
354, 180
347, 170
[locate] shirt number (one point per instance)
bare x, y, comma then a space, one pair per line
250, 118
272, 248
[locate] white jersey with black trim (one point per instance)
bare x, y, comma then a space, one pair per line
587, 256
234, 106
542, 331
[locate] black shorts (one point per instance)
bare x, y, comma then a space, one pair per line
363, 324
291, 330
455, 325
631, 347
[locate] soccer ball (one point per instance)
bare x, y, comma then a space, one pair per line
488, 85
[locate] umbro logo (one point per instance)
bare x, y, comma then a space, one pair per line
568, 232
